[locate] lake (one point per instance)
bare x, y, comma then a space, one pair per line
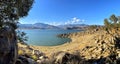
47, 37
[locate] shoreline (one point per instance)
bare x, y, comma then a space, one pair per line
48, 50
88, 43
67, 47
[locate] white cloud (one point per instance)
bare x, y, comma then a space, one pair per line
68, 22
74, 20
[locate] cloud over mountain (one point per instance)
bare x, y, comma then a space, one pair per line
74, 20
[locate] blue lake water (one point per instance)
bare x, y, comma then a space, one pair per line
46, 37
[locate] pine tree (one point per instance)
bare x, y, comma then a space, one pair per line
106, 23
114, 19
118, 21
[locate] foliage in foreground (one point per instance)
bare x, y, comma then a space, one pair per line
11, 11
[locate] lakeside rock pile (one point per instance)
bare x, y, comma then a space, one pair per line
28, 55
102, 45
98, 46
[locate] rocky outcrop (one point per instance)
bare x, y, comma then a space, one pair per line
28, 55
103, 46
97, 46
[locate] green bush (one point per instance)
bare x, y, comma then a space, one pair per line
34, 57
113, 22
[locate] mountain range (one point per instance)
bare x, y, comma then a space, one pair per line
47, 26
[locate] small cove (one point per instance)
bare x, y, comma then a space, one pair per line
47, 37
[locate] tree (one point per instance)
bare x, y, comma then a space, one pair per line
12, 10
114, 19
107, 24
21, 36
118, 21
115, 22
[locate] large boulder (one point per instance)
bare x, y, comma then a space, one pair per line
8, 46
25, 60
65, 58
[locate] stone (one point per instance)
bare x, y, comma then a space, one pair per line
65, 58
31, 61
22, 60
25, 60
96, 41
39, 61
37, 52
41, 57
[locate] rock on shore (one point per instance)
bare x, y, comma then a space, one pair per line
29, 55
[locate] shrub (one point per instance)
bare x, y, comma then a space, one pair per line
20, 52
34, 57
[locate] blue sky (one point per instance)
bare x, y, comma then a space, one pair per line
56, 12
